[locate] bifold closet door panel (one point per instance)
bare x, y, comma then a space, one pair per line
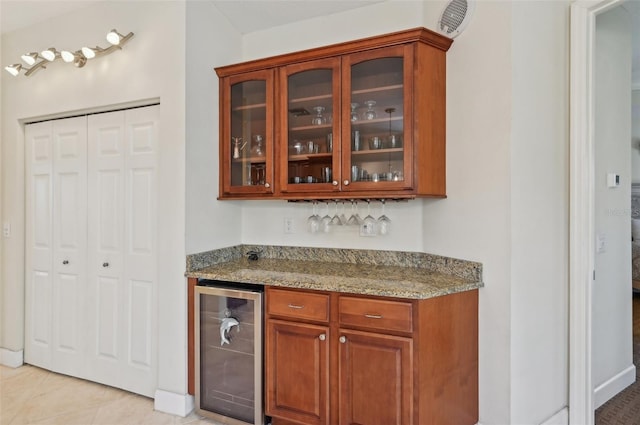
105, 263
122, 248
56, 228
38, 243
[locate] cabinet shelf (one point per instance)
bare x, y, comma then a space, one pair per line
312, 127
378, 89
250, 107
251, 159
310, 157
311, 98
375, 152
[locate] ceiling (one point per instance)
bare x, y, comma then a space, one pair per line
246, 15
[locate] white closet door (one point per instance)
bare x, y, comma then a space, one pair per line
39, 243
122, 249
70, 244
56, 244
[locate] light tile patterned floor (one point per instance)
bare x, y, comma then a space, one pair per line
30, 395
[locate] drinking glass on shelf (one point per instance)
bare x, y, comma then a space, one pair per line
384, 222
313, 222
370, 114
319, 119
354, 114
257, 149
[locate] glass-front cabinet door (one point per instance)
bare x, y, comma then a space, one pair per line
246, 147
377, 129
310, 126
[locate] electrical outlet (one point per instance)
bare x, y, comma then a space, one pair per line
6, 229
289, 225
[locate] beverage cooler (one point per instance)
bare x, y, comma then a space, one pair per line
228, 352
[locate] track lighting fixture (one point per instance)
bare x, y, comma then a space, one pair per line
30, 58
78, 58
13, 69
50, 54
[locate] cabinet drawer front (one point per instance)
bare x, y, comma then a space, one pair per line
376, 314
298, 305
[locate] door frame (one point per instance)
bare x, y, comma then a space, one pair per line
582, 205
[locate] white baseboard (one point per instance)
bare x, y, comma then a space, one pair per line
613, 386
11, 358
172, 403
559, 418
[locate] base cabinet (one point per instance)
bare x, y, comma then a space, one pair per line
376, 382
298, 363
387, 361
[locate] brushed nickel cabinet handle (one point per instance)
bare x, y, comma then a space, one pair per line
65, 262
373, 316
346, 182
322, 337
267, 185
343, 339
105, 264
297, 307
335, 183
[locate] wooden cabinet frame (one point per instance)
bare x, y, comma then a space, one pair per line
424, 92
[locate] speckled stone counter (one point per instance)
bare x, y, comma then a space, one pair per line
385, 273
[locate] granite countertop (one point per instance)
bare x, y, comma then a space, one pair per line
383, 273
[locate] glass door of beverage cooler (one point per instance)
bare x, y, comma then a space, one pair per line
228, 354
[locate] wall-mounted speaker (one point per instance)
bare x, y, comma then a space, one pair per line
455, 17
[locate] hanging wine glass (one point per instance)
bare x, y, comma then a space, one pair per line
343, 218
319, 119
354, 114
355, 219
335, 220
313, 222
325, 222
384, 222
370, 114
369, 223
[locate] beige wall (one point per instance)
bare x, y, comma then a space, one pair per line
150, 66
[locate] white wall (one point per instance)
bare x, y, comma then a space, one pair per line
539, 211
474, 221
612, 349
507, 167
211, 42
635, 135
263, 221
150, 66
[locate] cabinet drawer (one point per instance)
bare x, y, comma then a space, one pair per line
376, 314
298, 305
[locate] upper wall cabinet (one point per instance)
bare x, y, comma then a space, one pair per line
362, 119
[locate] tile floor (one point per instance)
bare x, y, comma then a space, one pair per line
30, 395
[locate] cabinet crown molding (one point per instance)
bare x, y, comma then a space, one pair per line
420, 34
